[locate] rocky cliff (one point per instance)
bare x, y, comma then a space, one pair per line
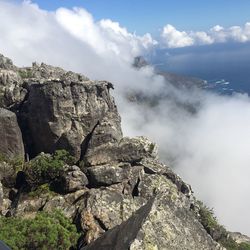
62, 148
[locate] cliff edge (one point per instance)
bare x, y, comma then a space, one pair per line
62, 149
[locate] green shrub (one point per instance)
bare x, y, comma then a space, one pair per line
65, 156
244, 246
229, 243
42, 190
45, 167
218, 232
45, 231
25, 74
17, 163
207, 218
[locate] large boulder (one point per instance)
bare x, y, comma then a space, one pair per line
130, 150
72, 179
63, 115
106, 175
11, 144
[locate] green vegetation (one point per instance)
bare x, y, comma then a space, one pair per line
244, 246
42, 190
46, 231
25, 74
46, 167
230, 244
209, 221
17, 163
151, 147
218, 232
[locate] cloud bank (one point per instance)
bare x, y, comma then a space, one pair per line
208, 147
173, 38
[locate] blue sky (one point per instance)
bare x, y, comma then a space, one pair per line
149, 16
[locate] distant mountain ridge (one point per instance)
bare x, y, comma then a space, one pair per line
177, 80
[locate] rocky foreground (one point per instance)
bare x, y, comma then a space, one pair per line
62, 148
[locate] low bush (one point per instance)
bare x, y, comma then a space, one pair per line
42, 190
46, 231
46, 167
218, 232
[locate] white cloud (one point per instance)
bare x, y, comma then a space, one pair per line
202, 37
173, 38
210, 148
104, 36
240, 34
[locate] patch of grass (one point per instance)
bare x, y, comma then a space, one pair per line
46, 231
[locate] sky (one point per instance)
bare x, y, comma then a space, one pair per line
149, 16
210, 147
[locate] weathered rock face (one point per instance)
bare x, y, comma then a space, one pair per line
59, 115
72, 180
11, 138
11, 90
58, 109
121, 236
7, 174
106, 175
171, 223
240, 238
127, 150
6, 63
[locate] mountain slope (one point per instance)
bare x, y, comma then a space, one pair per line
77, 161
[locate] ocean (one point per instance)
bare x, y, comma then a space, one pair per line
224, 67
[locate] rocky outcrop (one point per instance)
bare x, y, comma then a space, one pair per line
8, 174
72, 179
58, 109
11, 144
115, 191
121, 236
11, 91
6, 63
61, 114
240, 238
127, 150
